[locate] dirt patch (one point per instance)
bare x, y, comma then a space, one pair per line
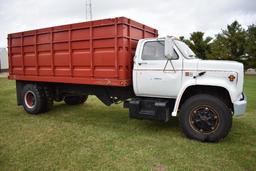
159, 167
3, 74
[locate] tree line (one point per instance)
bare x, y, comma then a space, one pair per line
232, 43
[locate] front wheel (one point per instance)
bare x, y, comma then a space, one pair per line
205, 118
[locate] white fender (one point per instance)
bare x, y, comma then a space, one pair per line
218, 82
185, 85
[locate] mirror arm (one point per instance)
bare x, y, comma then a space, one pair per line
171, 64
165, 65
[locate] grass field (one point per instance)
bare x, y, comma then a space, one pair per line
95, 137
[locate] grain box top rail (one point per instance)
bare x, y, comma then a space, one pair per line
94, 23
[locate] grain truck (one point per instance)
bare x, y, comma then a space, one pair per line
121, 60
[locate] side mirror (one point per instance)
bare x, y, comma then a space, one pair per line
168, 48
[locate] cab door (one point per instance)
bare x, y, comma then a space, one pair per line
154, 75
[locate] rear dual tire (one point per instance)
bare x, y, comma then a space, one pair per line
36, 99
205, 118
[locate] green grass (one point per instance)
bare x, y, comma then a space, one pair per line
96, 137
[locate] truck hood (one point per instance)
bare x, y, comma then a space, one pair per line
220, 65
220, 68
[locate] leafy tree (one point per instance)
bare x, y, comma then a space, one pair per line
198, 44
233, 43
235, 35
219, 48
230, 44
182, 38
250, 48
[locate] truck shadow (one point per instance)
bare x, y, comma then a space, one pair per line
115, 118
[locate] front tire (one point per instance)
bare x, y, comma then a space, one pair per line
205, 118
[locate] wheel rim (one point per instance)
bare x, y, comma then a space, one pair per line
30, 99
204, 119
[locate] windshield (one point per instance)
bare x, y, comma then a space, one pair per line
185, 50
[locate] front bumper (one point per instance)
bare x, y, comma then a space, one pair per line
240, 106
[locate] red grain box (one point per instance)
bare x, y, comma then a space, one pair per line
96, 52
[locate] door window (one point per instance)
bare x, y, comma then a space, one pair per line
153, 50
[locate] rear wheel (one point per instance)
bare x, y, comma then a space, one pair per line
48, 100
206, 118
34, 99
75, 100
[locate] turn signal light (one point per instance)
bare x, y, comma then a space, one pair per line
231, 78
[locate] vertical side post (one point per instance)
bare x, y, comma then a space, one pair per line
22, 55
130, 44
116, 48
70, 52
36, 54
91, 49
52, 55
10, 54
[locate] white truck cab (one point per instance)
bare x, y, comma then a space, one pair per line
204, 93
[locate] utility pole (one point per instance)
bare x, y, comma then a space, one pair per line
88, 10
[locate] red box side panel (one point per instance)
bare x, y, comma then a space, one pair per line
98, 52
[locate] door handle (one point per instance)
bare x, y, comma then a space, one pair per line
140, 63
157, 78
